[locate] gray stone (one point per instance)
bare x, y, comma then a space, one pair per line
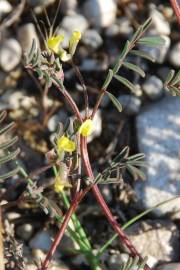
26, 34
125, 27
112, 30
100, 13
130, 104
68, 5
174, 55
89, 64
153, 87
159, 23
157, 239
25, 231
158, 133
74, 22
158, 53
42, 240
10, 54
5, 7
169, 266
92, 39
55, 119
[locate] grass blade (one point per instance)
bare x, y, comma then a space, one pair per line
115, 101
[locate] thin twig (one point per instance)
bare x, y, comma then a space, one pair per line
13, 17
81, 79
176, 8
2, 267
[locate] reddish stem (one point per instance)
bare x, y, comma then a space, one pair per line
100, 199
61, 232
176, 8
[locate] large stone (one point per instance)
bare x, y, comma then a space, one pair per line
100, 13
26, 34
10, 54
5, 7
158, 132
157, 239
169, 266
74, 22
159, 24
174, 55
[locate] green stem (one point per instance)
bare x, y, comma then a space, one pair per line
130, 222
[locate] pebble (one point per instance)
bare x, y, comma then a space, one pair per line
5, 7
74, 22
92, 39
158, 53
90, 64
10, 54
131, 105
157, 239
174, 55
112, 30
125, 27
26, 34
55, 119
100, 13
42, 240
153, 88
158, 134
25, 231
169, 266
13, 215
159, 24
107, 193
18, 99
68, 6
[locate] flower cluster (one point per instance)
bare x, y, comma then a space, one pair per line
54, 44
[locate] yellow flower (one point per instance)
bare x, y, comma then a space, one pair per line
73, 42
64, 56
54, 42
86, 128
65, 144
59, 185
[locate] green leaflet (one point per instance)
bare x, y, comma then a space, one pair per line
142, 54
108, 79
169, 76
118, 62
134, 68
127, 83
115, 101
151, 41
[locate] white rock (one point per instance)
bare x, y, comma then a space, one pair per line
174, 55
155, 238
5, 7
10, 54
158, 132
92, 38
74, 22
159, 53
169, 266
100, 13
130, 104
153, 87
55, 119
125, 27
25, 231
18, 99
159, 23
26, 34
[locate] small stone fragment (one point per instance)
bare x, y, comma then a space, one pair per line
153, 88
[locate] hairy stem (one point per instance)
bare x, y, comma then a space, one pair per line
61, 232
101, 201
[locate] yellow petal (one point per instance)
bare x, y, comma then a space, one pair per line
54, 42
73, 42
64, 56
58, 186
86, 128
65, 144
